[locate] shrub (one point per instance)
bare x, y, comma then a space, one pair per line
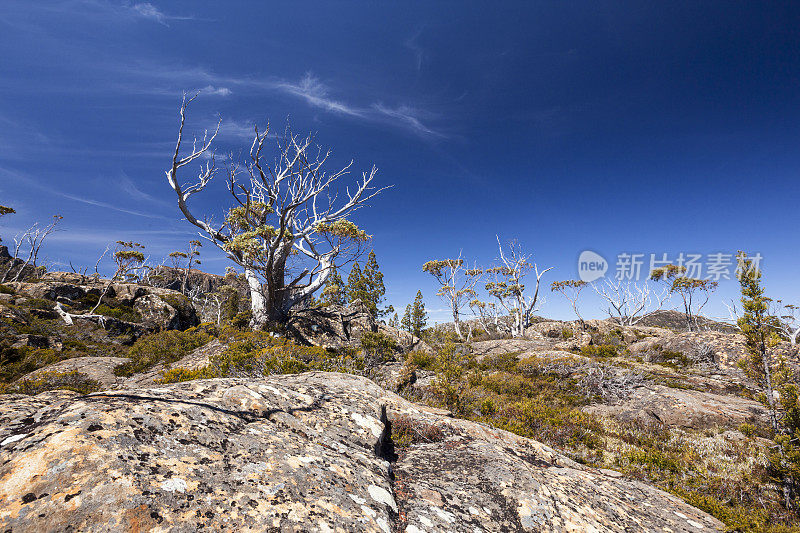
423, 360
748, 430
16, 362
407, 431
378, 348
258, 354
45, 381
600, 350
674, 360
125, 313
6, 290
162, 348
567, 333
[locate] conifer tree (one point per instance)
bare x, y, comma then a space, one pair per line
367, 286
334, 291
355, 284
419, 318
776, 379
405, 323
376, 290
394, 322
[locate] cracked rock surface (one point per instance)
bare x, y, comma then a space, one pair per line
306, 452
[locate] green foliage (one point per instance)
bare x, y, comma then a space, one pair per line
16, 362
258, 354
420, 359
378, 347
773, 375
600, 350
334, 291
164, 347
45, 381
121, 312
415, 318
675, 360
368, 286
6, 290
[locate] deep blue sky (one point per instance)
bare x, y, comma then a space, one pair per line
617, 127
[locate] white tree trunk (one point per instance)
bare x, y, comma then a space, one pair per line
258, 304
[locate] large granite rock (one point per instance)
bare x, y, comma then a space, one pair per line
160, 309
683, 408
306, 452
99, 369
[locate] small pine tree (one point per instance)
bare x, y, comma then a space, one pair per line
368, 286
775, 378
419, 318
356, 288
394, 322
334, 291
405, 323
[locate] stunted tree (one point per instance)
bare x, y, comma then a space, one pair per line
129, 261
5, 210
787, 321
456, 285
571, 290
184, 261
487, 314
128, 258
508, 285
628, 302
694, 292
776, 379
288, 226
27, 246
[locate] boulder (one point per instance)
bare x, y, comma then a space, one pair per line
99, 369
683, 408
482, 349
332, 326
305, 452
705, 348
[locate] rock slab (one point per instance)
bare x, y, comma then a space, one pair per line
306, 452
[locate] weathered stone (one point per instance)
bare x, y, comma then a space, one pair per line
302, 452
683, 408
100, 369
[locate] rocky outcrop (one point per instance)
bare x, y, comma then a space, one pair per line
305, 452
705, 348
99, 369
159, 309
683, 408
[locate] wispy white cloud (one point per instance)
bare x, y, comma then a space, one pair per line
408, 116
146, 10
313, 91
210, 90
129, 187
106, 205
412, 44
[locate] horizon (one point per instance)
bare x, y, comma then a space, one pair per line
594, 127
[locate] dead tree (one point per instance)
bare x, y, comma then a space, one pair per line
288, 227
628, 303
27, 245
508, 285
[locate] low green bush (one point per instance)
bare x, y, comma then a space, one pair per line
45, 381
162, 348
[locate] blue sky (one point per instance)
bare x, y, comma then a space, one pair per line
640, 127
